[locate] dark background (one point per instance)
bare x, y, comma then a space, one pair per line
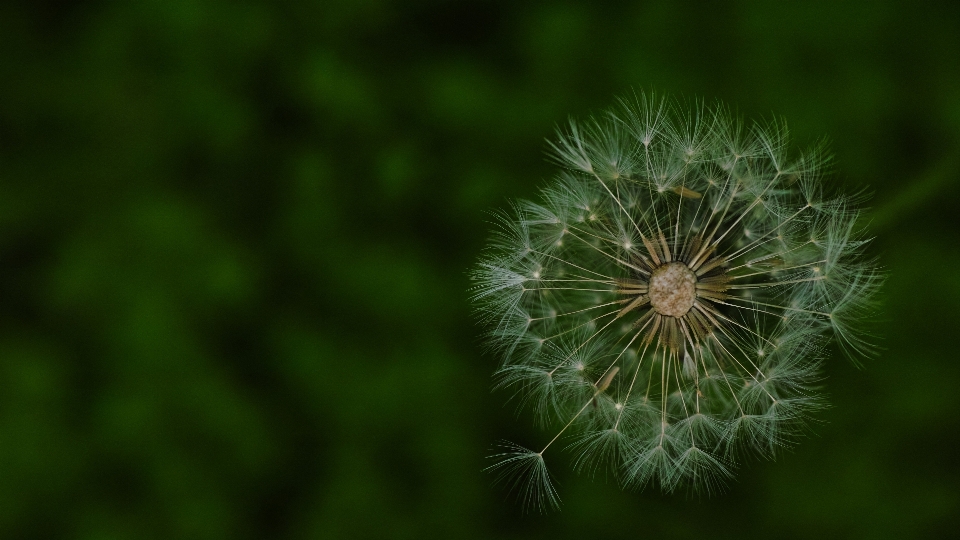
234, 239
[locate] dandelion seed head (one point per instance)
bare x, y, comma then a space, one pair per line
667, 302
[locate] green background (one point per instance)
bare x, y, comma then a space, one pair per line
234, 239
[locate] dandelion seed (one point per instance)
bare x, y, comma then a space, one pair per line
526, 472
687, 274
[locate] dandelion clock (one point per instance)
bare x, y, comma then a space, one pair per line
664, 308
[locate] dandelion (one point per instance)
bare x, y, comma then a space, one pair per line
667, 303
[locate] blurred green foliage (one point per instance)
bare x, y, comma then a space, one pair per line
234, 240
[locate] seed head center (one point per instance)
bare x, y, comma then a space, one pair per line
673, 289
